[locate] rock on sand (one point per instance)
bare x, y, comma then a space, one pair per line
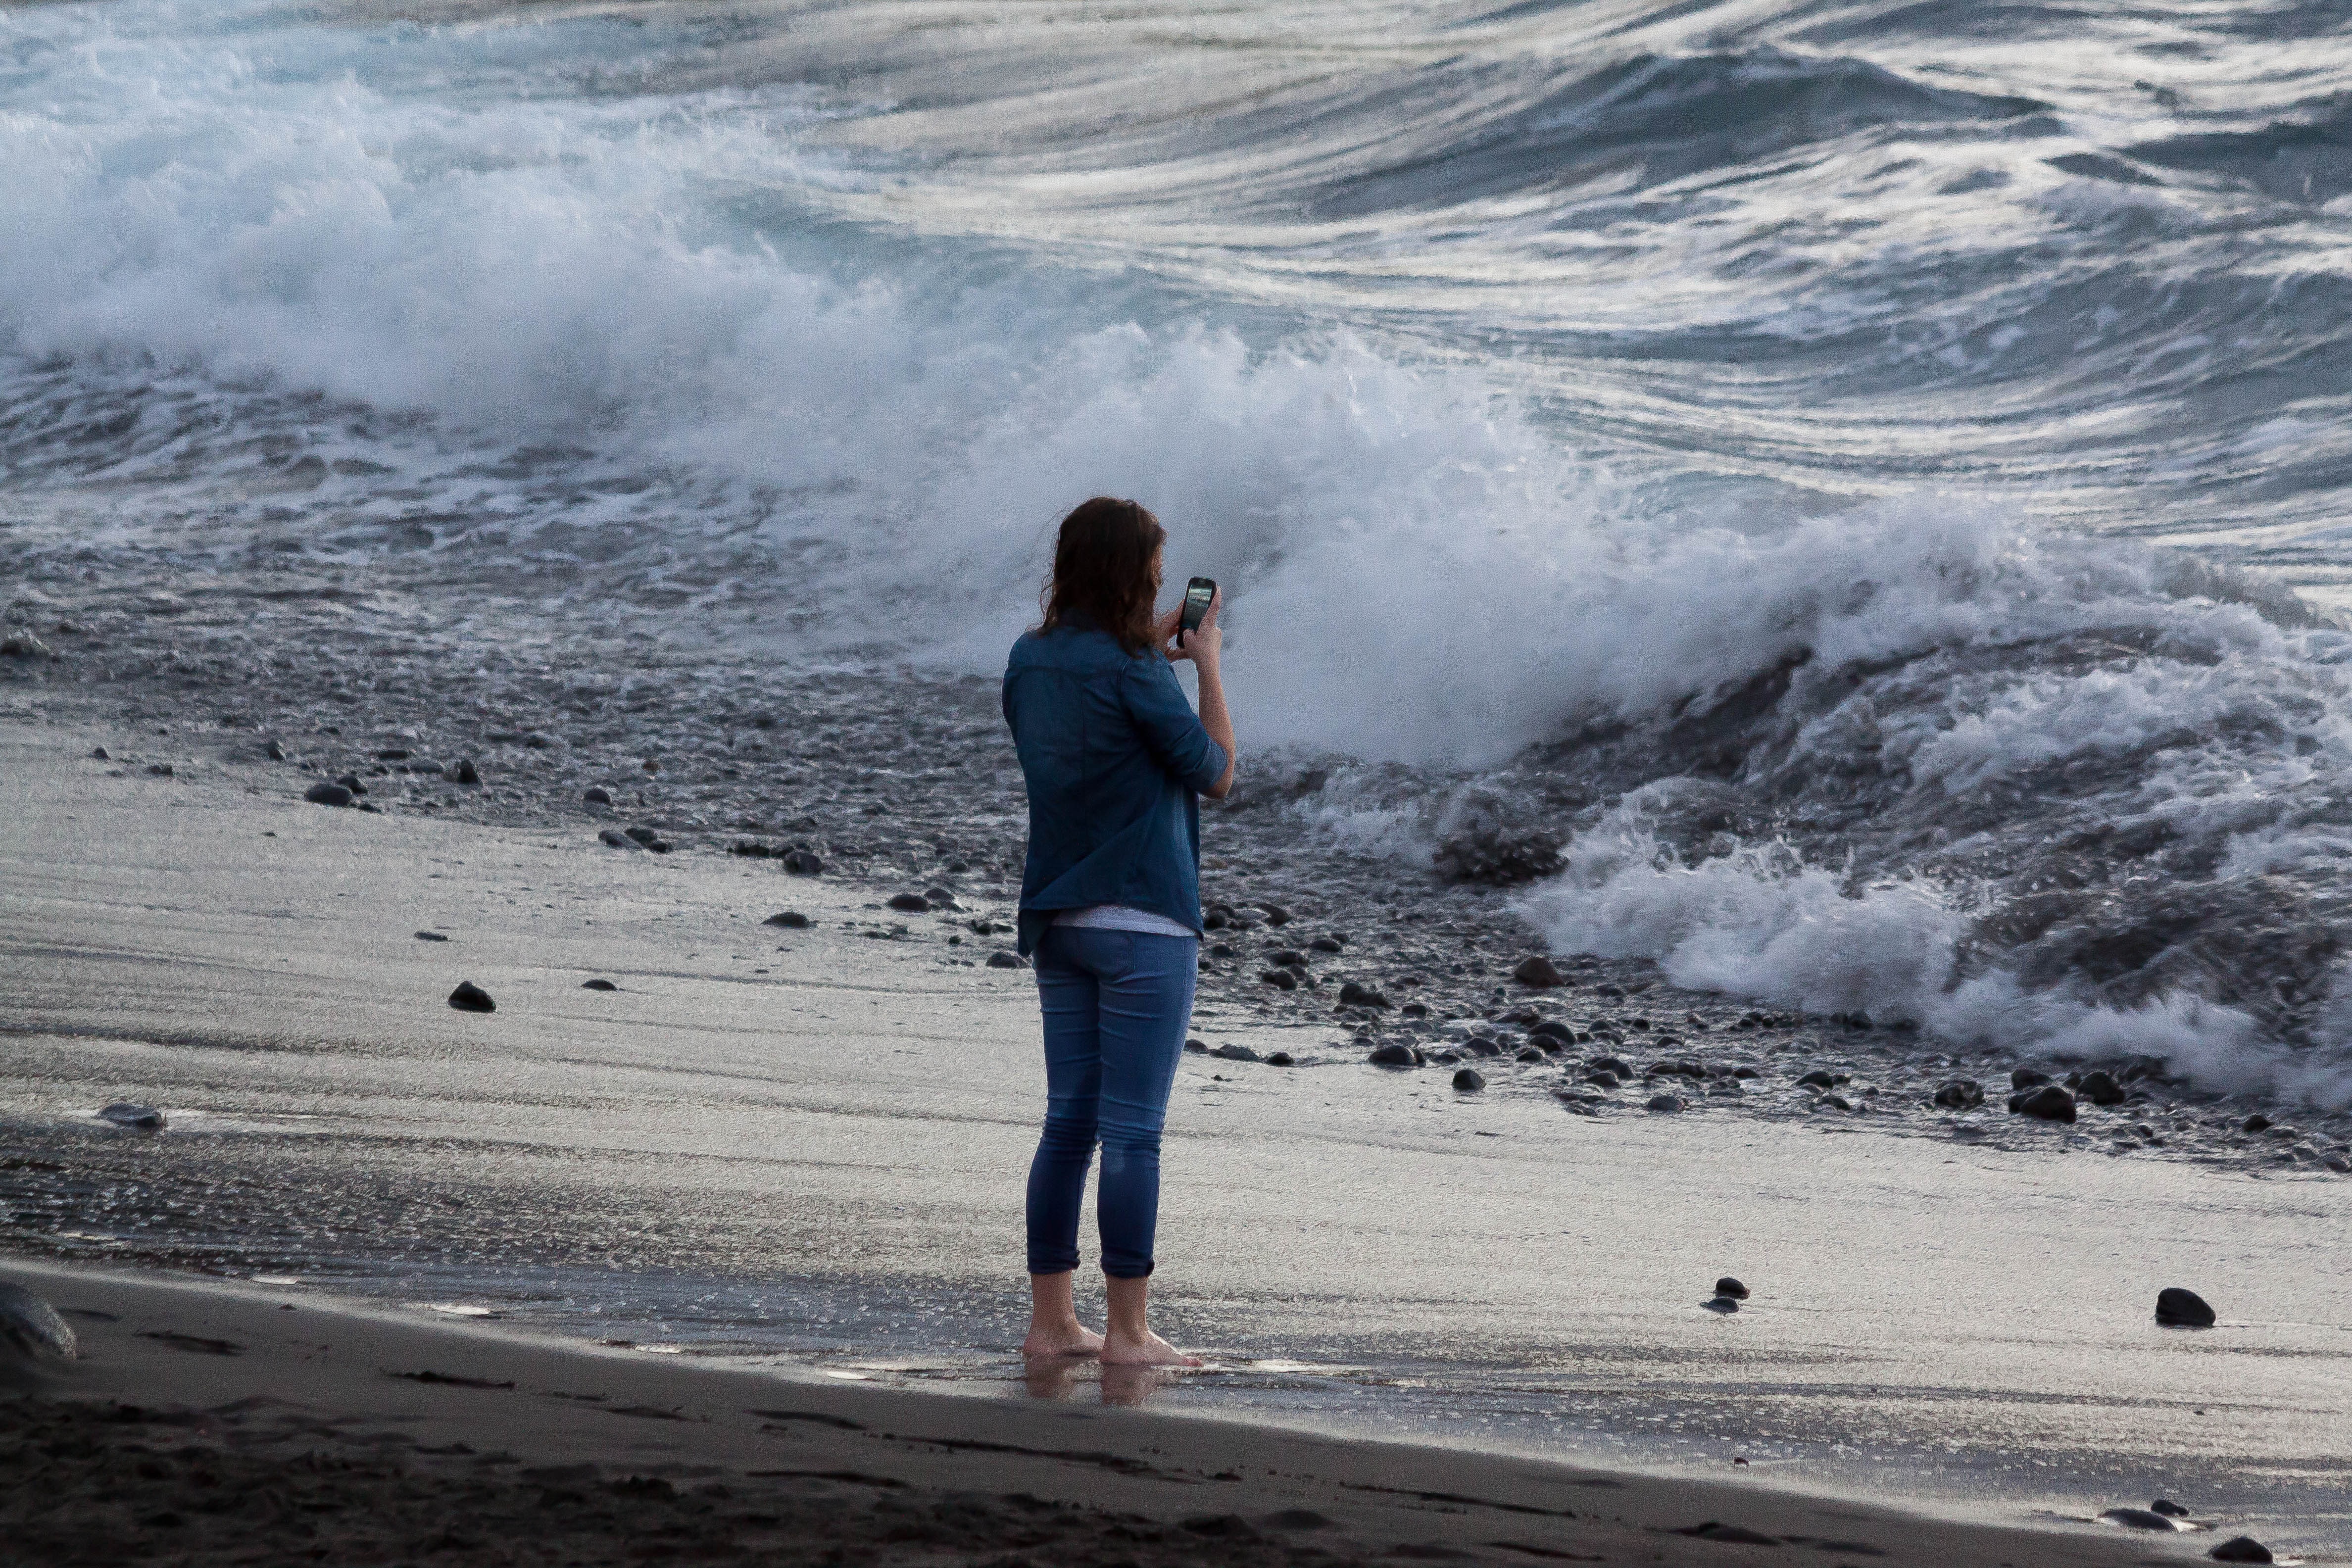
123, 1113
471, 998
2180, 1309
2241, 1549
31, 1329
1538, 972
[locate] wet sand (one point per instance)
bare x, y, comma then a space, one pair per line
790, 1149
208, 1423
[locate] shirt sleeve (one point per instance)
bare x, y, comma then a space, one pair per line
1170, 729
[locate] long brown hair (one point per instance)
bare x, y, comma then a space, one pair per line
1102, 571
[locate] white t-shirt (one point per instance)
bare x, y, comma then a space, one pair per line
1119, 917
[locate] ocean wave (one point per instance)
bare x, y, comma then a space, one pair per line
1465, 133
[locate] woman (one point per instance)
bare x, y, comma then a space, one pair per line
1110, 902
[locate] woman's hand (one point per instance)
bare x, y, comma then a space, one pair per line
1204, 644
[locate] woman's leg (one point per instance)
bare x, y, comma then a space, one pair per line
1146, 1004
1067, 995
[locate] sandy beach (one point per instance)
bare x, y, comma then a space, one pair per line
774, 1153
207, 1423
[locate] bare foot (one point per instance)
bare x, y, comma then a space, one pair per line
1071, 1339
1149, 1351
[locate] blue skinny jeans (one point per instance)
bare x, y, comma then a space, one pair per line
1116, 1004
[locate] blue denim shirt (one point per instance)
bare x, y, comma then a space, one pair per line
1114, 757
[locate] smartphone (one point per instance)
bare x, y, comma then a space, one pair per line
1199, 595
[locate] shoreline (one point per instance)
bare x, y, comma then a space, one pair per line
1935, 1320
503, 1432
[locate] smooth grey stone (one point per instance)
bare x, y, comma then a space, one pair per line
1469, 1080
2167, 1508
1232, 1053
1394, 1054
275, 752
2026, 1078
1280, 1059
2240, 1549
2139, 1519
1538, 972
123, 1113
462, 772
1961, 1094
617, 839
910, 903
1728, 1285
802, 862
30, 1328
1352, 994
2047, 1102
598, 986
597, 795
1201, 1045
1664, 1105
1327, 945
791, 919
2100, 1088
471, 998
1724, 1304
101, 754
2177, 1308
1001, 959
324, 793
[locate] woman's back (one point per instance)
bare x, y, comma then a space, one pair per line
1114, 757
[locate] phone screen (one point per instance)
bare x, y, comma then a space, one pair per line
1198, 595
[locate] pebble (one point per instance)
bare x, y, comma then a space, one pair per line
1001, 959
1469, 1080
2100, 1088
597, 795
1817, 1078
471, 998
1394, 1054
123, 1113
1664, 1105
2026, 1078
2180, 1309
803, 863
1280, 979
2257, 1123
1723, 1304
1280, 1059
1961, 1094
1728, 1285
24, 645
910, 903
2240, 1549
2139, 1519
791, 919
2047, 1102
1530, 1054
2167, 1508
1196, 1045
1352, 994
101, 754
648, 838
1327, 945
1539, 973
430, 936
617, 839
598, 986
1236, 1053
31, 1328
324, 793
275, 752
